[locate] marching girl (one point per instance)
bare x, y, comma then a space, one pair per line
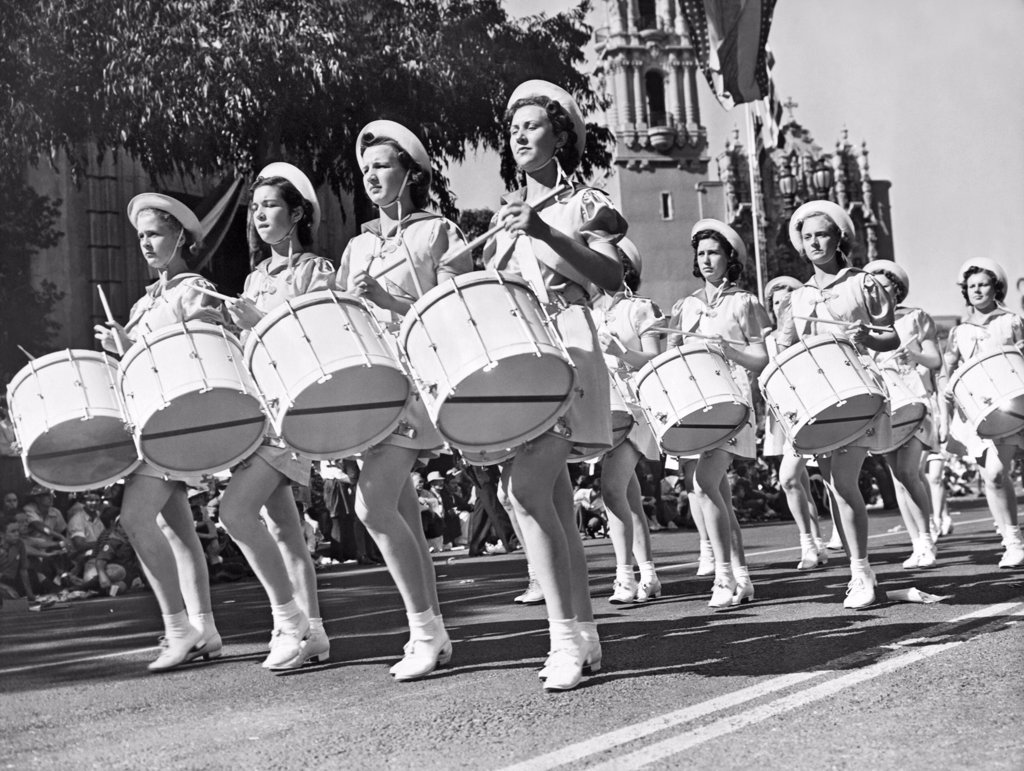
561, 248
154, 510
793, 477
988, 326
284, 213
823, 232
396, 177
721, 310
918, 348
624, 325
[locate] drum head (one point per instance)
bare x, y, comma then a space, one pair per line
704, 430
838, 424
1005, 419
82, 454
905, 421
353, 410
515, 401
201, 432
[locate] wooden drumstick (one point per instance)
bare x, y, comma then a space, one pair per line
705, 337
30, 356
211, 293
468, 249
872, 327
110, 320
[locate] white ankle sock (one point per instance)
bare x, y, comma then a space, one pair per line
624, 574
531, 572
807, 541
724, 572
564, 633
316, 624
741, 573
177, 625
287, 617
860, 567
647, 572
588, 631
1011, 535
422, 625
204, 623
706, 549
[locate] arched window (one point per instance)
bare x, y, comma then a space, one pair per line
655, 83
648, 16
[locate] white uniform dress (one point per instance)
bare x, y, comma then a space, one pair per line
275, 280
979, 334
851, 295
628, 318
913, 324
731, 313
172, 302
588, 216
428, 244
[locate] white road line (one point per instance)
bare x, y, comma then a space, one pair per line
581, 751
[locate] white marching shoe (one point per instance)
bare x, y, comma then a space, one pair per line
623, 592
177, 651
563, 669
706, 561
860, 592
533, 595
591, 652
809, 558
648, 590
721, 593
422, 657
744, 592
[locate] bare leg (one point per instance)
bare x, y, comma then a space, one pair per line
841, 471
739, 557
792, 475
617, 469
999, 494
193, 573
582, 606
641, 527
707, 488
285, 526
409, 508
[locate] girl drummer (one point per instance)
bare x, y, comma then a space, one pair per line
823, 232
396, 177
793, 477
722, 311
284, 213
918, 349
987, 327
562, 248
154, 510
625, 324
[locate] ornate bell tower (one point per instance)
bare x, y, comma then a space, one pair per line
661, 147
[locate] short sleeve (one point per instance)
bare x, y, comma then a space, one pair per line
194, 305
341, 277
753, 318
600, 221
312, 275
644, 314
447, 246
877, 303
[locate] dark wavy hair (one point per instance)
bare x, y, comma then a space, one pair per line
901, 289
293, 200
567, 156
419, 180
999, 285
734, 268
630, 275
191, 250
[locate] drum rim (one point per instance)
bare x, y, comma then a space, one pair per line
173, 330
92, 485
318, 297
55, 357
962, 370
677, 352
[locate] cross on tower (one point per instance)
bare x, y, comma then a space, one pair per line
789, 104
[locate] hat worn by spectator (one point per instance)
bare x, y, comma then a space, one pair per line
299, 181
725, 231
833, 211
435, 476
781, 282
532, 88
185, 216
400, 135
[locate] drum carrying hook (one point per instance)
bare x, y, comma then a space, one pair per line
324, 374
199, 359
85, 393
491, 363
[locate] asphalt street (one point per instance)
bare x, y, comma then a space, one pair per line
791, 681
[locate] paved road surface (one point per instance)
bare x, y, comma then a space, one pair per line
792, 681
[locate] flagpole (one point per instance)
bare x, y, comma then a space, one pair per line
754, 211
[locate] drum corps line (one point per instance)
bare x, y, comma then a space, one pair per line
544, 358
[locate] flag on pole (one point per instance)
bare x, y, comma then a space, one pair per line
769, 113
730, 38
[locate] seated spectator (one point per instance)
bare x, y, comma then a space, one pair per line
15, 581
51, 515
11, 504
114, 567
84, 524
431, 514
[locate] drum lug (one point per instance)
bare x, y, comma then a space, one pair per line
561, 428
661, 417
791, 418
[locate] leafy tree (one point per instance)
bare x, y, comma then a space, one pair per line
26, 225
475, 222
223, 86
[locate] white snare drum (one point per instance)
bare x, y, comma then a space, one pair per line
332, 382
907, 408
691, 399
70, 422
193, 406
492, 372
990, 392
821, 393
